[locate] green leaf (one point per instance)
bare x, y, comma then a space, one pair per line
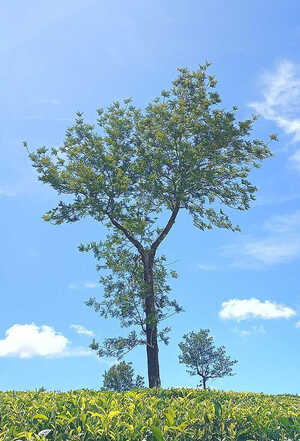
40, 416
158, 435
113, 413
170, 416
218, 408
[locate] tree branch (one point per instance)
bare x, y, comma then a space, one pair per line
167, 228
131, 238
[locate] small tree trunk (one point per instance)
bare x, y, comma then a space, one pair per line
151, 324
204, 382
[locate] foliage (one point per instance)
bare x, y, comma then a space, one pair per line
153, 415
125, 292
182, 152
202, 358
120, 378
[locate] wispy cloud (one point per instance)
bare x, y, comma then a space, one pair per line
207, 267
259, 253
276, 200
281, 244
75, 352
281, 97
272, 251
238, 309
82, 285
256, 329
281, 101
298, 324
90, 285
284, 223
82, 330
241, 332
30, 340
7, 193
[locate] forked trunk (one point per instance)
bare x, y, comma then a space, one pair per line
150, 309
151, 324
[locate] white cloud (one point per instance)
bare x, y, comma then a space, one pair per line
281, 102
77, 286
75, 352
26, 341
30, 340
82, 330
207, 267
237, 309
284, 223
281, 98
298, 324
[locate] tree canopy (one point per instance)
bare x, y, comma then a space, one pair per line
199, 354
120, 378
181, 152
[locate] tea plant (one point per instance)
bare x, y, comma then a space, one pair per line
150, 415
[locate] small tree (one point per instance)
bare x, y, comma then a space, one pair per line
202, 358
119, 378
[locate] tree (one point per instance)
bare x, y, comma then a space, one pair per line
202, 358
182, 152
119, 378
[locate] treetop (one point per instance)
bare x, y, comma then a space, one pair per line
182, 151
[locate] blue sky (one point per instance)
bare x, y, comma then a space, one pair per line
61, 57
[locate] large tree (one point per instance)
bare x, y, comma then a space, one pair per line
182, 152
201, 357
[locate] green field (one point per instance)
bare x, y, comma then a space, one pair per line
149, 415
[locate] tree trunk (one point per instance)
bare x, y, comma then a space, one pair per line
204, 382
151, 323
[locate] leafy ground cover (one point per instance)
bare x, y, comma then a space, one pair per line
148, 415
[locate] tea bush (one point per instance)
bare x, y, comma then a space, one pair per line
148, 415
